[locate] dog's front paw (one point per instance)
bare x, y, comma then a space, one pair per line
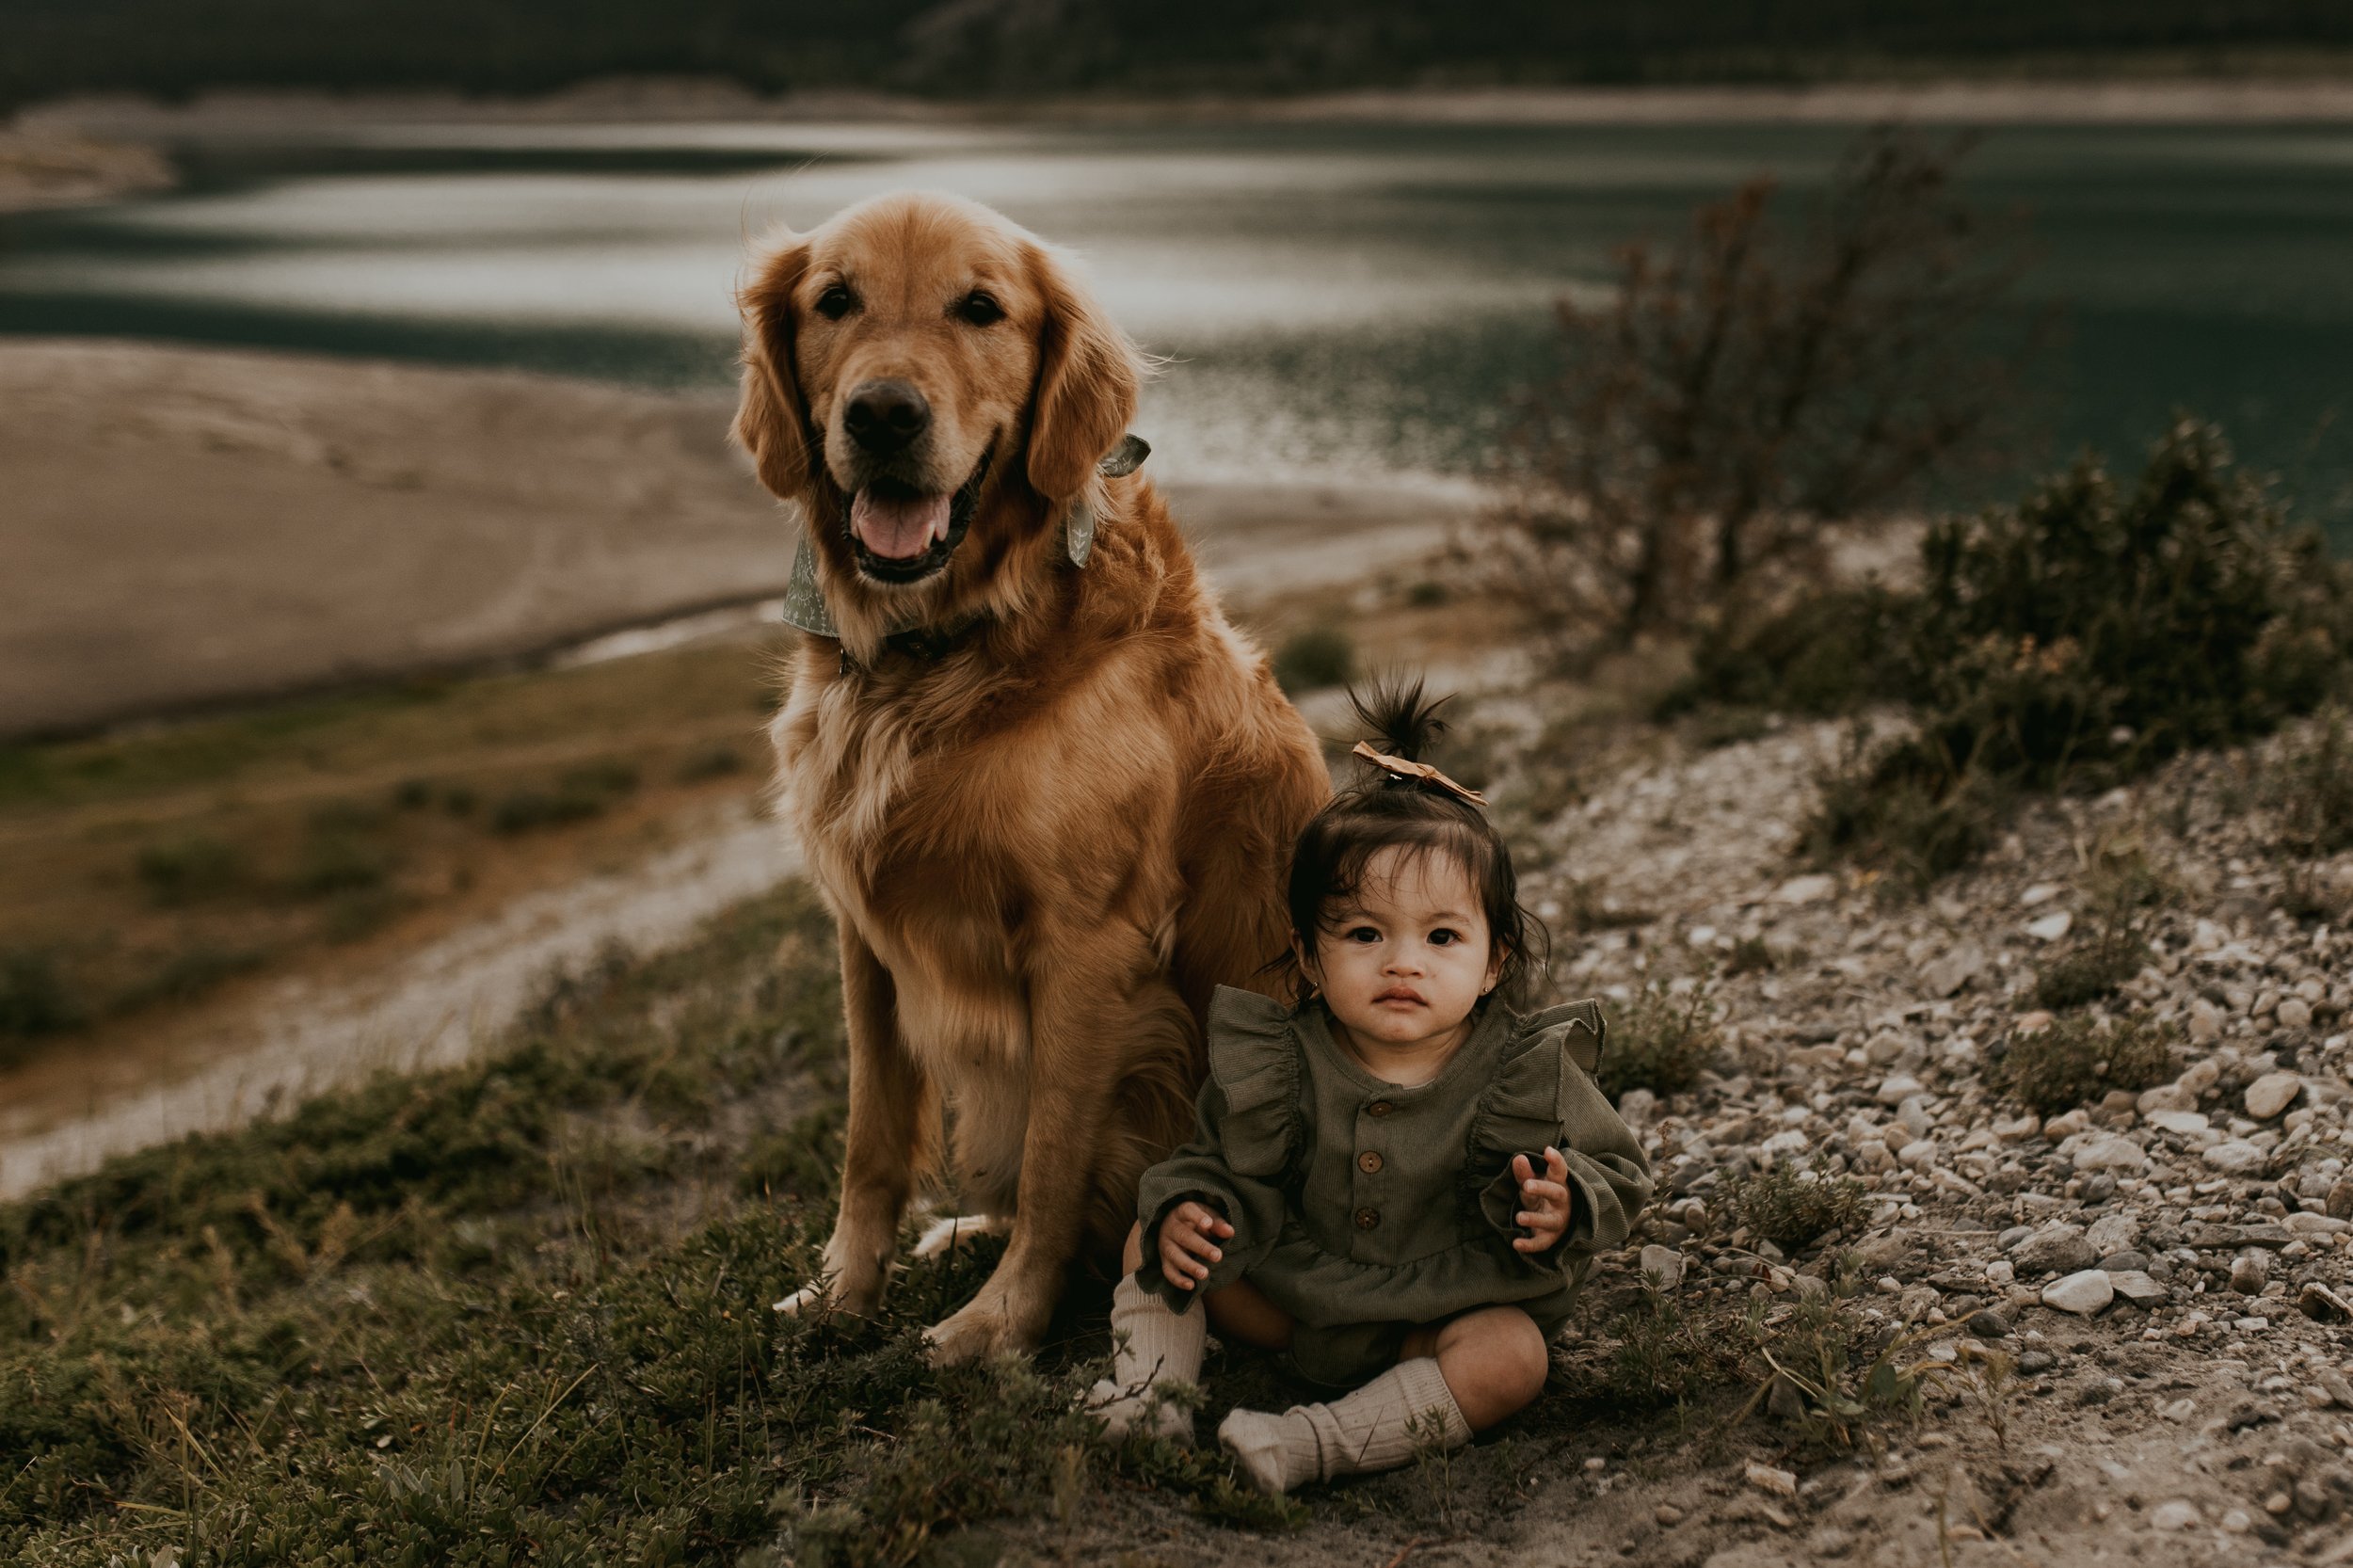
827, 1294
984, 1328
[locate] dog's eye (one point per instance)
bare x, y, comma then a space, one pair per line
979, 310
835, 302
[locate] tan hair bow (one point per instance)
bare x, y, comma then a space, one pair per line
1421, 773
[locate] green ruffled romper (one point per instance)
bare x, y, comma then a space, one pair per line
1364, 1208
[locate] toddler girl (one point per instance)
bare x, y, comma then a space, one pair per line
1401, 1179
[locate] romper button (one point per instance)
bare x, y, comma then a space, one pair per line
1379, 1108
1369, 1162
1368, 1218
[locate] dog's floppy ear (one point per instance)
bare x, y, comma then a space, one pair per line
1088, 374
771, 421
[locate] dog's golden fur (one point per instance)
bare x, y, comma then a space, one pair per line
1045, 846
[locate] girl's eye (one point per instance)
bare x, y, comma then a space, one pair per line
1444, 937
1363, 933
835, 302
979, 310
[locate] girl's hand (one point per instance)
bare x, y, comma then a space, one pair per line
1189, 1242
1547, 1197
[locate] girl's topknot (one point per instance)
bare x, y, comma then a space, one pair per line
1403, 722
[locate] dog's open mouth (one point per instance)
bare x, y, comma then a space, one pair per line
901, 534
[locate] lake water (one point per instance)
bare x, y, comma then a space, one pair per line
1335, 302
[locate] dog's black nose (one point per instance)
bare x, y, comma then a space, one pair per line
884, 416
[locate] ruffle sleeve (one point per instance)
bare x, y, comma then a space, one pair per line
1248, 1131
1544, 1094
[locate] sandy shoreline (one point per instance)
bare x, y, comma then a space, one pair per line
192, 526
2006, 101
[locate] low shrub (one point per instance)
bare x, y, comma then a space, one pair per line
2085, 635
1794, 1207
579, 794
2080, 1058
1318, 657
1661, 1041
1827, 653
2093, 968
2309, 790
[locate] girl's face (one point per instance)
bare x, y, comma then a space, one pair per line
1403, 963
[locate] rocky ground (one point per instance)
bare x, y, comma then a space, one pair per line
2140, 1306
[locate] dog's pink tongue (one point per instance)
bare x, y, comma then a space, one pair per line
898, 530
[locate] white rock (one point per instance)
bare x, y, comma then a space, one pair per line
2111, 1153
2135, 1286
2041, 892
2234, 1156
1806, 889
2295, 1013
1954, 971
1664, 1262
2113, 1233
1782, 1483
2175, 1515
1897, 1089
2200, 1076
2316, 1224
2082, 1294
1636, 1107
2186, 1123
2272, 1094
2017, 1131
2206, 1021
2165, 1097
2050, 928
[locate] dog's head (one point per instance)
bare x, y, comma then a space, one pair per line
934, 388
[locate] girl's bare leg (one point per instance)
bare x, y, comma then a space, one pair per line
1239, 1311
1494, 1361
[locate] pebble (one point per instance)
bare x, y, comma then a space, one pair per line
2235, 1157
2271, 1093
2250, 1271
1781, 1483
1668, 1515
2111, 1153
2188, 1124
2206, 1023
2295, 1013
2112, 1233
2136, 1286
2175, 1515
1897, 1089
2082, 1294
1806, 889
2050, 928
2057, 1248
1957, 968
1665, 1263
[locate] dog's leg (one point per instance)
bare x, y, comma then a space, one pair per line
894, 1114
1087, 1010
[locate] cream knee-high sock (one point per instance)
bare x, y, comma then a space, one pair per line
1379, 1426
1155, 1347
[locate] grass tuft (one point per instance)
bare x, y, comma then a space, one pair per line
2079, 1058
1661, 1041
1318, 657
1794, 1207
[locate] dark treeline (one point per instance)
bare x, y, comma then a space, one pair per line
998, 48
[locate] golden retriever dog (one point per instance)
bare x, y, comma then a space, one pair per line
1046, 790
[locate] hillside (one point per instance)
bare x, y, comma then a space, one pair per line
1008, 48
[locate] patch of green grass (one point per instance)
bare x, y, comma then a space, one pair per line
1318, 657
716, 761
186, 869
187, 975
34, 999
518, 1312
1794, 1207
579, 794
1661, 1041
2080, 1058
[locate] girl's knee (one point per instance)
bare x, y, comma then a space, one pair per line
1131, 1255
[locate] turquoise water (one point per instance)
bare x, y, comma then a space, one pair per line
1334, 301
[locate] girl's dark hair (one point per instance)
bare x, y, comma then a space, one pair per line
1382, 811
